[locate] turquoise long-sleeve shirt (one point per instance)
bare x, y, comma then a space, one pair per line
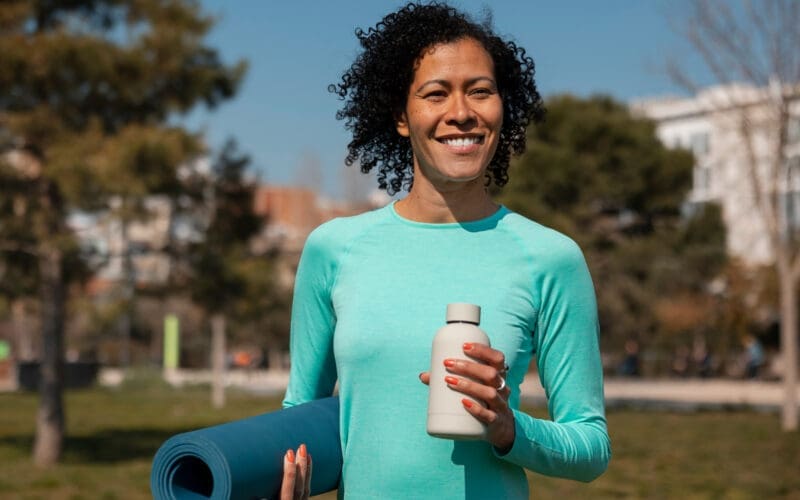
370, 293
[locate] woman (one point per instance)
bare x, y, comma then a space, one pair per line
438, 104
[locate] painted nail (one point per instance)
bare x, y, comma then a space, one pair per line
290, 456
467, 403
451, 380
302, 451
467, 346
449, 363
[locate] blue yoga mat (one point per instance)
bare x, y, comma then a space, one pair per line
244, 459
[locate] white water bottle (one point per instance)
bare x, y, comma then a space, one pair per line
447, 417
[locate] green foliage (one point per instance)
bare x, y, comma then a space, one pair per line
601, 175
262, 313
87, 91
591, 166
217, 279
113, 435
87, 88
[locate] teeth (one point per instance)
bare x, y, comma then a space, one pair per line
462, 141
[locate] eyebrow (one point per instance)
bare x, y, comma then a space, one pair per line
446, 83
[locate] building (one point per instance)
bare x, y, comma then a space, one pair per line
709, 124
291, 213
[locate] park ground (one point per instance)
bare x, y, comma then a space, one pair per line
686, 452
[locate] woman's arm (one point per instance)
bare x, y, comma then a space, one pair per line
575, 443
313, 368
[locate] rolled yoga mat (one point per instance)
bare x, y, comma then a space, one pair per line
244, 459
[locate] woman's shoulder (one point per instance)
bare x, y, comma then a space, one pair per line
538, 238
549, 252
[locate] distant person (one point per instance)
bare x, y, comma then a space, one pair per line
680, 361
629, 367
701, 359
437, 104
754, 357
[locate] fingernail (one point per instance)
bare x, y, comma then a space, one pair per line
449, 363
467, 346
451, 380
290, 456
467, 403
302, 451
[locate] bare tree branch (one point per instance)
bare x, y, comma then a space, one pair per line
680, 77
767, 209
722, 34
758, 44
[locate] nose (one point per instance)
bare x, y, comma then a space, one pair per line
460, 111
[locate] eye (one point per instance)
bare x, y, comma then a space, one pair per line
481, 92
435, 96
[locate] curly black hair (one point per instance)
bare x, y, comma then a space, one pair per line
375, 88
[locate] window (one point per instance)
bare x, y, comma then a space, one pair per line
790, 199
701, 180
699, 143
793, 130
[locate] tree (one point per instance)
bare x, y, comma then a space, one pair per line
87, 91
18, 275
601, 175
758, 43
218, 279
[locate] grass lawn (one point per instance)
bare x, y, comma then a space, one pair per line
113, 434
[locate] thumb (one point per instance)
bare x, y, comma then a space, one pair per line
425, 377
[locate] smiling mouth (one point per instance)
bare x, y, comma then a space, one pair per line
461, 142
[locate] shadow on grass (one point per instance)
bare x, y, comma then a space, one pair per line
105, 446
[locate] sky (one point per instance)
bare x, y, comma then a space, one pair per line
284, 117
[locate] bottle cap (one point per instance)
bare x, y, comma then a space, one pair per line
469, 313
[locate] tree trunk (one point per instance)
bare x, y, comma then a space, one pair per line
50, 418
128, 294
789, 332
24, 341
218, 360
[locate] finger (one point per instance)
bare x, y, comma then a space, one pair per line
489, 395
483, 414
487, 375
289, 476
485, 354
500, 431
425, 377
307, 491
302, 471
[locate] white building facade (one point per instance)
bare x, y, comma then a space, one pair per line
709, 124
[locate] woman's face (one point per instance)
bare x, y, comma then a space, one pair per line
453, 114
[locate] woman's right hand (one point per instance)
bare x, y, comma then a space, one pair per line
296, 475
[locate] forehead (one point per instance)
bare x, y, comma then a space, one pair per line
465, 55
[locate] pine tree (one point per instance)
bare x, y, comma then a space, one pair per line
601, 175
218, 276
88, 89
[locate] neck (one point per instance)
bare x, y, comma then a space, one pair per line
427, 204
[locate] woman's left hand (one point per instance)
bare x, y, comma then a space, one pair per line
483, 380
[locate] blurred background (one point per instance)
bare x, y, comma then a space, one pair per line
163, 161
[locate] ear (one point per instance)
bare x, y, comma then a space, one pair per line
401, 124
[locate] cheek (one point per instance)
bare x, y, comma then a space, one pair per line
499, 115
493, 116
